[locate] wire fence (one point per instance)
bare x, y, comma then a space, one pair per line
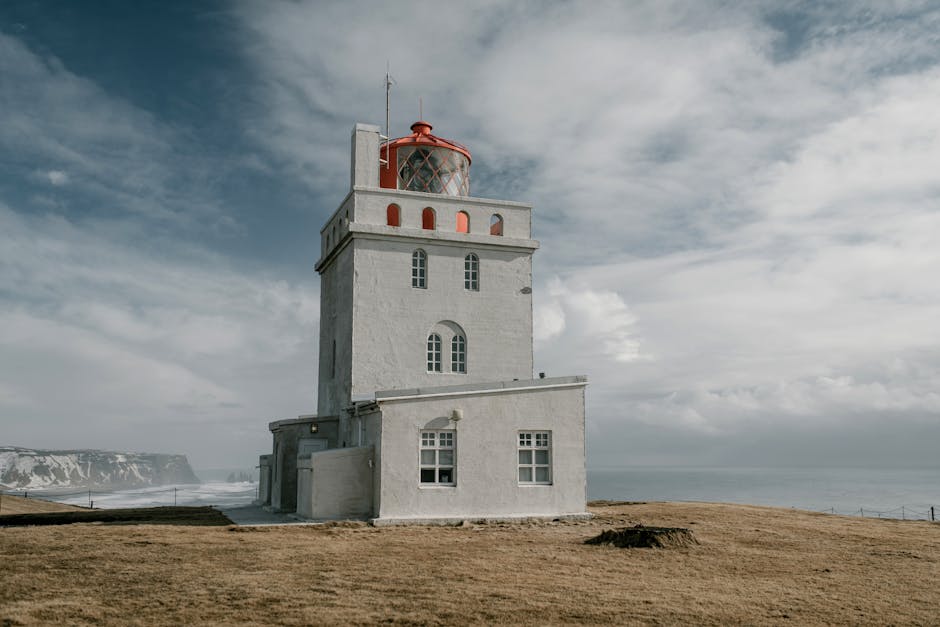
902, 512
171, 495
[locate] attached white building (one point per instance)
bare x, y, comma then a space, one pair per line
427, 406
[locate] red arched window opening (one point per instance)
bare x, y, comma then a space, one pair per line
394, 215
427, 219
496, 224
463, 222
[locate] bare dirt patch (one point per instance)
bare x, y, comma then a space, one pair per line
642, 537
753, 565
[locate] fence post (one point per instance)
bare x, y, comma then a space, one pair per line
174, 497
862, 511
931, 513
89, 500
902, 513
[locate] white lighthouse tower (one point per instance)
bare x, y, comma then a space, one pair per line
427, 406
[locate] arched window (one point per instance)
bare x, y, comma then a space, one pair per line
496, 224
463, 222
434, 353
453, 352
394, 215
471, 273
458, 354
427, 219
419, 269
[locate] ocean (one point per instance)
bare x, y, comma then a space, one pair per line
888, 493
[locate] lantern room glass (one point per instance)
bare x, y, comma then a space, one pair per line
433, 169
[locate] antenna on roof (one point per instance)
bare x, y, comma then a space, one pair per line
389, 81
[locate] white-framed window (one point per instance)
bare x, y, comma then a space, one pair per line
437, 463
471, 273
458, 354
434, 353
535, 457
419, 269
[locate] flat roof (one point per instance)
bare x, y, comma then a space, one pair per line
299, 420
477, 388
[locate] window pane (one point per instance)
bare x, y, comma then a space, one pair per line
427, 457
445, 457
525, 457
541, 439
427, 475
541, 474
541, 457
447, 439
525, 439
525, 474
446, 475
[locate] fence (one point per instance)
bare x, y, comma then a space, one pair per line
904, 512
57, 497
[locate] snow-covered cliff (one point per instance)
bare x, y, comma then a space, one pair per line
22, 468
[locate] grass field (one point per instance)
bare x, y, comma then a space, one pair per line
18, 505
752, 565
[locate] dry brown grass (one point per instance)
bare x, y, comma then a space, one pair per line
19, 505
753, 565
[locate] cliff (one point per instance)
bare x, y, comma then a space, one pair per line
22, 468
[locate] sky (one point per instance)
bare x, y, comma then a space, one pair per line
738, 205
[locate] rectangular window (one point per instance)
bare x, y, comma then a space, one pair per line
458, 354
419, 269
434, 353
471, 273
535, 457
437, 457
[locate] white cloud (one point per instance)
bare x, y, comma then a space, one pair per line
738, 202
133, 347
738, 205
57, 177
593, 325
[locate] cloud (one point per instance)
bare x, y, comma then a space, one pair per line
132, 346
737, 203
111, 154
57, 177
736, 206
578, 316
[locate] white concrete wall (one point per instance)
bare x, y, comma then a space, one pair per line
487, 455
336, 321
380, 323
370, 207
336, 484
392, 320
364, 170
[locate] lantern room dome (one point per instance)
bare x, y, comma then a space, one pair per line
423, 162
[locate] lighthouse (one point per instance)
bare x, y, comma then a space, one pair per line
427, 407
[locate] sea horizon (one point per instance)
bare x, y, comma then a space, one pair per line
888, 492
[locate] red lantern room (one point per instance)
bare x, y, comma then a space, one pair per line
422, 162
